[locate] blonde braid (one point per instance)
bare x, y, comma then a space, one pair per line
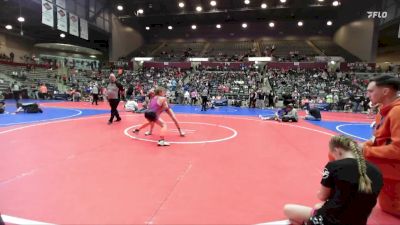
347, 144
364, 183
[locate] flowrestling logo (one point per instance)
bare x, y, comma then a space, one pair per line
377, 14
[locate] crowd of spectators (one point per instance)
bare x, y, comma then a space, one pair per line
9, 57
340, 91
248, 86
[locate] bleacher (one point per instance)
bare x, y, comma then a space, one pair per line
330, 48
284, 47
26, 78
229, 48
144, 50
177, 49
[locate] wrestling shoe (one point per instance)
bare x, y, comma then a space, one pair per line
163, 143
182, 133
136, 131
147, 133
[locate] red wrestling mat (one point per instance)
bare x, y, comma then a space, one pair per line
227, 170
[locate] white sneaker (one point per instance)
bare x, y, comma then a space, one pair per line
163, 143
147, 133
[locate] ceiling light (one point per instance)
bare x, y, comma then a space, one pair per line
271, 24
21, 19
147, 28
120, 7
194, 27
300, 23
335, 3
169, 27
140, 11
244, 25
246, 2
320, 0
62, 35
329, 23
213, 3
283, 1
218, 26
181, 4
8, 27
93, 56
199, 8
263, 6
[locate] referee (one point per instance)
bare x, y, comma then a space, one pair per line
114, 89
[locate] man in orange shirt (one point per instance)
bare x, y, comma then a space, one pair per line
384, 148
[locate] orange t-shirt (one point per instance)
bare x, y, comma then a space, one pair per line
384, 150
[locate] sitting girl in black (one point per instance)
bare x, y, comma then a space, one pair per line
350, 187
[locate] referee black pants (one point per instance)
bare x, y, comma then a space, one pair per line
114, 112
95, 98
203, 103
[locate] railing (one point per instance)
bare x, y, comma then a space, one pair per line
24, 64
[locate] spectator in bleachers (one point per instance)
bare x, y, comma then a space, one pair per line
12, 56
15, 88
43, 92
2, 107
95, 93
193, 97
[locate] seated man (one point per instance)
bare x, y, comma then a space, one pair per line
277, 116
291, 114
131, 106
287, 114
2, 107
29, 108
313, 114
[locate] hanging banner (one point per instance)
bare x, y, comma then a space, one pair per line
60, 3
84, 29
62, 19
73, 24
47, 13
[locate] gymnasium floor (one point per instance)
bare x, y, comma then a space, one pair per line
67, 166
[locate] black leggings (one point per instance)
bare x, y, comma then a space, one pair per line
204, 103
95, 98
16, 95
114, 112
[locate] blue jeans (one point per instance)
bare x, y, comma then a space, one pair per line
309, 117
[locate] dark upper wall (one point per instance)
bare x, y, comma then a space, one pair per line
235, 31
19, 46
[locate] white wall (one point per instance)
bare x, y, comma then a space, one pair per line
124, 40
358, 38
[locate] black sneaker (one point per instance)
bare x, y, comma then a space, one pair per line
119, 119
136, 131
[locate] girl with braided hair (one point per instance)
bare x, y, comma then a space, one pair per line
349, 189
